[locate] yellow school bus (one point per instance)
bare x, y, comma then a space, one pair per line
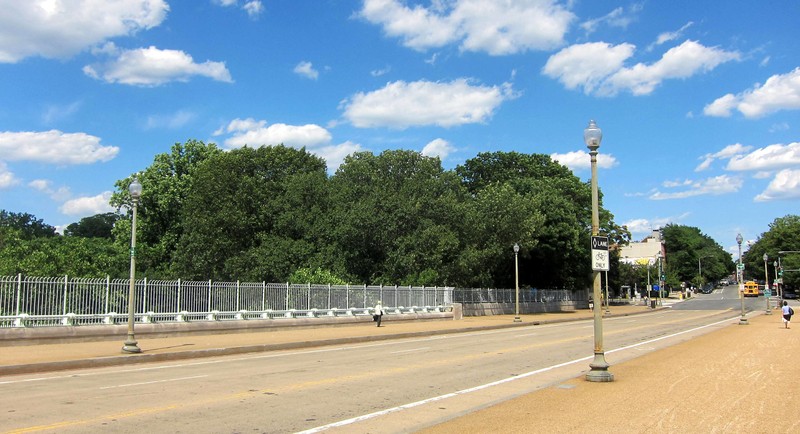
751, 289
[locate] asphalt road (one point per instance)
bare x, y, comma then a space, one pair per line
393, 386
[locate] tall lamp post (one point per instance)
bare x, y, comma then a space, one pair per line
516, 281
740, 276
592, 135
767, 292
131, 346
777, 285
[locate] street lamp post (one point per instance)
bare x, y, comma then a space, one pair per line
767, 292
659, 257
777, 285
131, 346
516, 281
739, 275
592, 135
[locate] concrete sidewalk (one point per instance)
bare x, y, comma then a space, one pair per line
77, 355
739, 379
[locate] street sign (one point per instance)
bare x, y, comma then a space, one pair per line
740, 266
600, 259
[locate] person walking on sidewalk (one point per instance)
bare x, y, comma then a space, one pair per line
378, 314
787, 313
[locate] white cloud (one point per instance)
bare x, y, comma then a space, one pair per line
152, 67
380, 72
334, 155
785, 186
645, 227
771, 157
402, 105
7, 178
493, 26
438, 148
88, 206
670, 36
306, 70
254, 8
60, 29
587, 65
683, 61
581, 160
597, 67
54, 147
171, 121
616, 18
726, 153
779, 92
715, 186
55, 113
255, 133
46, 187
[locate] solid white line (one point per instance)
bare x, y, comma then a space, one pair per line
494, 383
153, 382
413, 350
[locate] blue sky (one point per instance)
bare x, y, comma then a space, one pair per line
698, 100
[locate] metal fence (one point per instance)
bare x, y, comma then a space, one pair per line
43, 301
526, 295
106, 300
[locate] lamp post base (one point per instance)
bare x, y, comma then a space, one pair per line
743, 321
131, 346
599, 370
517, 319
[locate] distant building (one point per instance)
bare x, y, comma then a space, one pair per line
644, 252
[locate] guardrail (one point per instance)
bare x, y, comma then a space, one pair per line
71, 319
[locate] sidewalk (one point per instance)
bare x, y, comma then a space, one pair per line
740, 379
78, 355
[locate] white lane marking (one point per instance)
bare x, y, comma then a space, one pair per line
494, 383
413, 350
153, 382
527, 334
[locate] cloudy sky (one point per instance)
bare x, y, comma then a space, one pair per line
699, 102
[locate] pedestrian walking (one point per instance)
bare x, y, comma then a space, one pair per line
377, 315
787, 313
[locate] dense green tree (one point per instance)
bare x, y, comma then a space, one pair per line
783, 235
96, 226
58, 256
28, 225
397, 218
557, 255
690, 252
249, 214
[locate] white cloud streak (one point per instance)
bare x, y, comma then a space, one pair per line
580, 160
54, 147
714, 186
153, 67
402, 105
492, 26
61, 29
779, 92
88, 206
597, 67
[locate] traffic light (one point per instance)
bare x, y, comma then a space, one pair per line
780, 271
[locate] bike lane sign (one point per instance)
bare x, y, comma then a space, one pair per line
600, 257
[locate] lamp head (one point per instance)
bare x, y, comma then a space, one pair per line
739, 239
516, 248
135, 189
765, 257
592, 135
